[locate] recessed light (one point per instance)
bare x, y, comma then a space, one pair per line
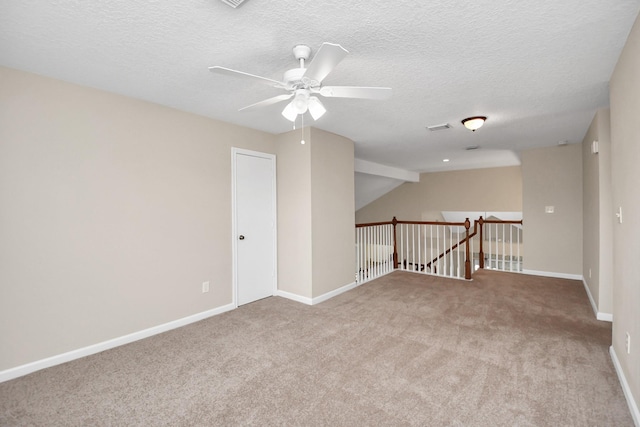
563, 142
445, 160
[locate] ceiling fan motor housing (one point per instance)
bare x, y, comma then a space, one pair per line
293, 76
301, 51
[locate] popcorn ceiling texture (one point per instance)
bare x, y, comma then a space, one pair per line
538, 70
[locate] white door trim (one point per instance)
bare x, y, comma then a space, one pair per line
234, 220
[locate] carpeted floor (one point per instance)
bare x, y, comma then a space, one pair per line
406, 349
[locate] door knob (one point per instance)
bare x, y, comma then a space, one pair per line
241, 237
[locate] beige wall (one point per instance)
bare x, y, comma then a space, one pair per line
333, 206
597, 259
552, 176
491, 189
113, 212
294, 215
605, 300
316, 251
549, 176
591, 212
625, 171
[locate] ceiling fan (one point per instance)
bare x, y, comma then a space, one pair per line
304, 83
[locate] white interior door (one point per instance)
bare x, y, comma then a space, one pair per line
254, 225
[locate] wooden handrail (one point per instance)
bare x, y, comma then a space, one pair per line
466, 224
461, 242
498, 221
459, 224
373, 224
478, 226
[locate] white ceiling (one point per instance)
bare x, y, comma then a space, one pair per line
537, 70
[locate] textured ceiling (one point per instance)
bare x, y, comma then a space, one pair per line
538, 70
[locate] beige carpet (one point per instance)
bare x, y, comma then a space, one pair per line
406, 349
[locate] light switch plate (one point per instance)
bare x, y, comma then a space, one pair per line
619, 214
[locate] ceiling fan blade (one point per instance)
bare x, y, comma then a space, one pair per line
267, 102
235, 73
328, 56
356, 92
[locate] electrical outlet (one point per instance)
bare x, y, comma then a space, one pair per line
205, 287
628, 343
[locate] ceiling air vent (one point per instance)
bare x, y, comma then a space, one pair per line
472, 147
233, 3
439, 127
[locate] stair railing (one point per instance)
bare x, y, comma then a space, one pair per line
382, 247
466, 239
375, 250
500, 245
437, 248
433, 247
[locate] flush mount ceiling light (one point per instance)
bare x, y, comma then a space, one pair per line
474, 123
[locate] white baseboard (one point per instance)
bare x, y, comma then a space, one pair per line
319, 299
334, 293
633, 406
28, 368
605, 317
294, 297
553, 274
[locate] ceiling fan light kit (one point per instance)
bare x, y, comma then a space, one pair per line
474, 123
301, 101
289, 112
316, 109
303, 83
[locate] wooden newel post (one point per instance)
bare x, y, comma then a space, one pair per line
481, 253
395, 247
467, 262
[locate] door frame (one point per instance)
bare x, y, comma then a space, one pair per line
234, 219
